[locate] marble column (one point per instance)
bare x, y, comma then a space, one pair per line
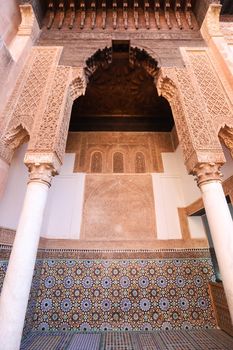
17, 282
220, 222
4, 168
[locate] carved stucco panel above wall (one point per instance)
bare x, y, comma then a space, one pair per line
29, 94
216, 100
118, 208
194, 127
51, 132
168, 87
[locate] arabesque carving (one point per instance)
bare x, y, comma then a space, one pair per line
29, 95
51, 133
219, 107
42, 102
44, 138
194, 127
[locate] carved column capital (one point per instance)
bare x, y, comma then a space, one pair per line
207, 172
41, 173
42, 166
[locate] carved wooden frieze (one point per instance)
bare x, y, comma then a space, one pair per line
116, 15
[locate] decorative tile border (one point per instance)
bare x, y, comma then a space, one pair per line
5, 251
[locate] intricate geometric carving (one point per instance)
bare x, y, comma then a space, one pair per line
207, 172
96, 162
28, 94
167, 87
218, 106
46, 137
118, 162
194, 126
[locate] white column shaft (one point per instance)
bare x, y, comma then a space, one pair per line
221, 227
17, 282
4, 168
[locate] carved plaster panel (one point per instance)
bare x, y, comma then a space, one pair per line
51, 133
118, 207
141, 152
219, 108
197, 136
29, 94
58, 105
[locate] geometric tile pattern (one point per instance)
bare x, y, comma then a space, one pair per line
163, 340
112, 295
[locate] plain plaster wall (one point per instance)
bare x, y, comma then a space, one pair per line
12, 200
63, 213
175, 189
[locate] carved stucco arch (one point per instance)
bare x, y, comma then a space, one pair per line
196, 134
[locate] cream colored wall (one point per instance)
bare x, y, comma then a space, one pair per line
12, 199
63, 213
174, 189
